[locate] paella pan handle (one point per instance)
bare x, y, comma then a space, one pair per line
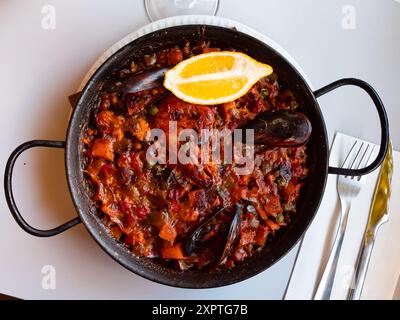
382, 118
10, 196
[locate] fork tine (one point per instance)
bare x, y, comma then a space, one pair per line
353, 163
358, 166
348, 154
363, 156
367, 159
369, 156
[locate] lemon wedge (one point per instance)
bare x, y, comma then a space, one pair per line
215, 77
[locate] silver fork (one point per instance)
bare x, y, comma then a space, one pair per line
348, 189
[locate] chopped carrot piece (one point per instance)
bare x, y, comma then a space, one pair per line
172, 251
273, 205
272, 225
247, 237
140, 129
135, 237
206, 50
105, 119
175, 56
261, 235
227, 109
167, 232
118, 134
103, 148
261, 212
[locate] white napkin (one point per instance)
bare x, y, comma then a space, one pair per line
384, 267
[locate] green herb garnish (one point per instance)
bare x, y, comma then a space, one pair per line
293, 105
153, 110
280, 218
281, 181
264, 93
149, 165
158, 169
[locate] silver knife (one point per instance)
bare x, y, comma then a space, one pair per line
378, 215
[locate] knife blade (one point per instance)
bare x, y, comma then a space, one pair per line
378, 215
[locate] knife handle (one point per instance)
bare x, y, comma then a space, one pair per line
378, 216
361, 268
325, 285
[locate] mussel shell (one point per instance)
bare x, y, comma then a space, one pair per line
283, 128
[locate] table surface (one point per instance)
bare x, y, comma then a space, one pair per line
40, 68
